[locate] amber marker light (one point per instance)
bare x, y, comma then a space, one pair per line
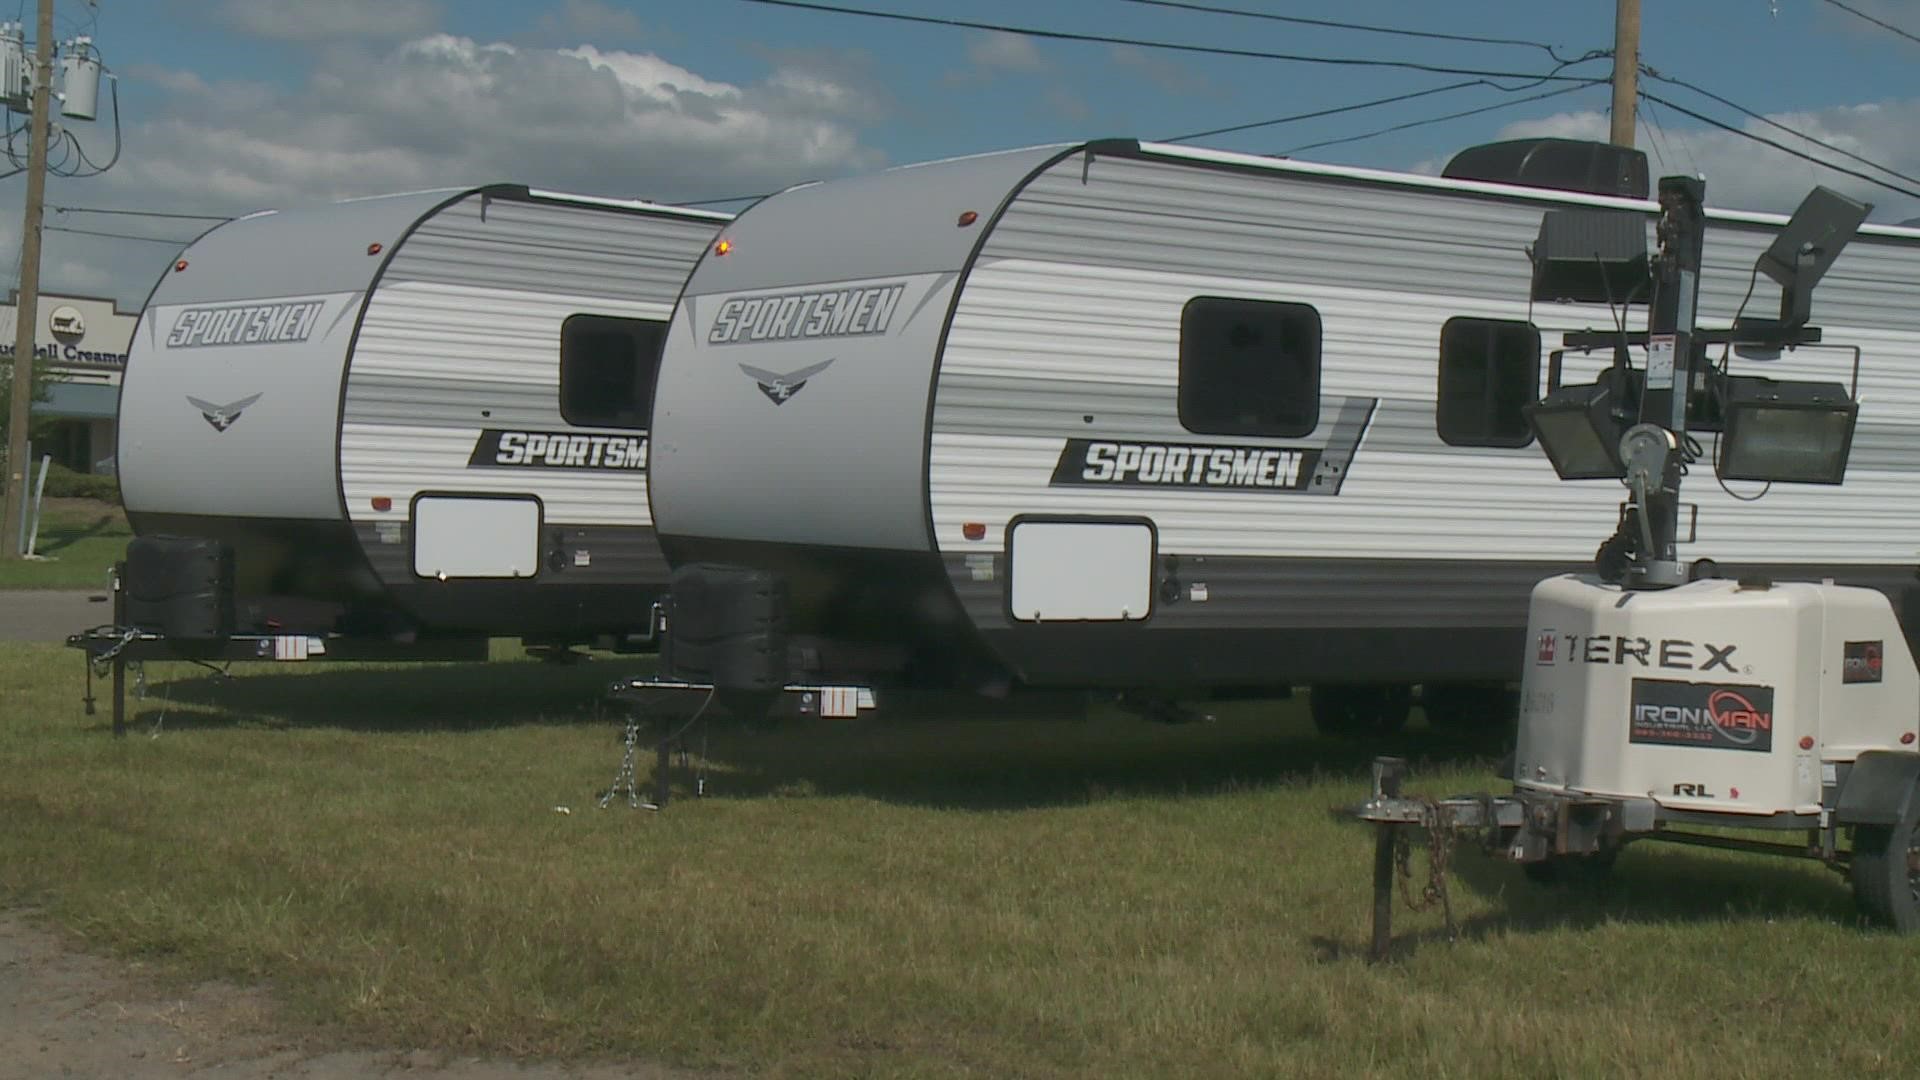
374, 248
179, 266
721, 247
974, 530
968, 218
382, 503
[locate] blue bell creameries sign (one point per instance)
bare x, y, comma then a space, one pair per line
74, 331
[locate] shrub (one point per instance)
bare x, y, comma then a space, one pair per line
64, 483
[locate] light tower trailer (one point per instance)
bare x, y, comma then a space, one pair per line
1659, 702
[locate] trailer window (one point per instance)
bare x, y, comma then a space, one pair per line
606, 370
1249, 367
1489, 368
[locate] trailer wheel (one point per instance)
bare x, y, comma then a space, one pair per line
1886, 873
1358, 710
1468, 707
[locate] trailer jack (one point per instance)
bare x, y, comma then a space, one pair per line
1538, 829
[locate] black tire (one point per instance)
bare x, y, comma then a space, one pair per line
1886, 873
1351, 710
1468, 707
1573, 871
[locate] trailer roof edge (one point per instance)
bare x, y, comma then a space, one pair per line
1440, 183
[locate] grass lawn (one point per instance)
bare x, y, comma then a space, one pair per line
887, 896
81, 538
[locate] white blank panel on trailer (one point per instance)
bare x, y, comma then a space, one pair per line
476, 538
1081, 571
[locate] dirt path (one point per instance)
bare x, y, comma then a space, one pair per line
67, 1014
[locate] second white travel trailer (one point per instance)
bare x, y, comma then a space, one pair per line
408, 416
1131, 415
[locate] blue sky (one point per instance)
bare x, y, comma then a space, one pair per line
229, 105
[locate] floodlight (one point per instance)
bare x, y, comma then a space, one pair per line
1591, 257
1801, 255
1577, 428
1790, 432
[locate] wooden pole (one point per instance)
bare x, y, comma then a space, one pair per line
1626, 70
26, 309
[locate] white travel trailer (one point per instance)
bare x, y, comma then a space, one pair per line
1134, 415
414, 415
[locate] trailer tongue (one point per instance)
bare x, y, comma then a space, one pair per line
1659, 702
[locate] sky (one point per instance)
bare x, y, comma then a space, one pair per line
228, 106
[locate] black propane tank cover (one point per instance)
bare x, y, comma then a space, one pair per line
727, 625
180, 587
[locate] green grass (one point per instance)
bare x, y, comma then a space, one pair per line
894, 897
81, 538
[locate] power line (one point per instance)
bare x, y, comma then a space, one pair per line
1450, 116
1745, 134
1770, 122
1678, 135
1332, 24
115, 235
138, 213
1882, 25
1107, 39
1329, 112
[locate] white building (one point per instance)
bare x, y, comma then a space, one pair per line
83, 341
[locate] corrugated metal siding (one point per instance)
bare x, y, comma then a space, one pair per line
1073, 312
467, 321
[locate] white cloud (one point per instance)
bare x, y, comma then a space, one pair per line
1008, 52
446, 109
651, 75
441, 110
320, 20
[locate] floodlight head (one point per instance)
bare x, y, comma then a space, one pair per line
1591, 256
1803, 252
1788, 432
1578, 431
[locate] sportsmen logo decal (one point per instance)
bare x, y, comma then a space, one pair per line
779, 388
221, 416
1297, 470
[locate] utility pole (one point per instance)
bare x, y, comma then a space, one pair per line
26, 308
1626, 70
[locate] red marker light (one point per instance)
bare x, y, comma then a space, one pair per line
181, 265
374, 249
1806, 742
974, 530
1906, 738
968, 218
722, 247
382, 503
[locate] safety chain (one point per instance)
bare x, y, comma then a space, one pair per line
1439, 851
124, 637
625, 778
